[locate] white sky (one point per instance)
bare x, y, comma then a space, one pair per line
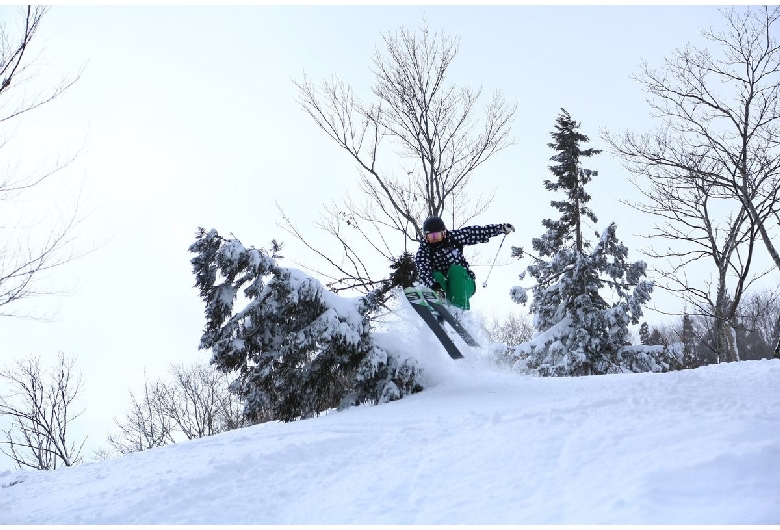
190, 119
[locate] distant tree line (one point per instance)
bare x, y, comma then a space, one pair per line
191, 402
756, 332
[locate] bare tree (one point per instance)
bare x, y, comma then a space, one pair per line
697, 221
719, 137
146, 424
691, 333
194, 403
199, 403
40, 407
25, 254
514, 329
760, 314
416, 146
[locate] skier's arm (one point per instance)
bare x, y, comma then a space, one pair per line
424, 271
471, 235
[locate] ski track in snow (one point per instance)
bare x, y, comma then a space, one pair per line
482, 446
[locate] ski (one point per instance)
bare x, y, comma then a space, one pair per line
426, 312
433, 300
457, 326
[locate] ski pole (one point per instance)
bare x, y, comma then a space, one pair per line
484, 284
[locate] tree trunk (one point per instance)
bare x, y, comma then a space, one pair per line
777, 347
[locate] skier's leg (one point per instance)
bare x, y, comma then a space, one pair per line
441, 278
460, 286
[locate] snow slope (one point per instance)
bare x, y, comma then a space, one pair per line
481, 446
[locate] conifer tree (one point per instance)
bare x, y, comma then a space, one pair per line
644, 333
581, 332
297, 349
655, 338
571, 180
404, 271
689, 340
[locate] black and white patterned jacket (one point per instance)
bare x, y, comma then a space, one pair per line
440, 257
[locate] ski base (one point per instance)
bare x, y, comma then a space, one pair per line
445, 340
456, 325
432, 299
427, 304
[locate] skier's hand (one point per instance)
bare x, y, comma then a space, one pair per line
439, 290
508, 228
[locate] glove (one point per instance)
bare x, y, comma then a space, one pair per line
436, 286
508, 228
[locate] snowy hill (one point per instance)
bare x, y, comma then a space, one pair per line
697, 446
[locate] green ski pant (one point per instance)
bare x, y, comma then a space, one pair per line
458, 285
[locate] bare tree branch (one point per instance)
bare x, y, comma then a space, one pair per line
28, 249
711, 172
194, 402
40, 410
428, 129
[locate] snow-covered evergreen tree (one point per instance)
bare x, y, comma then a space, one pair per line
579, 330
297, 349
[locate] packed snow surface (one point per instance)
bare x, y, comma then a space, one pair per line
480, 446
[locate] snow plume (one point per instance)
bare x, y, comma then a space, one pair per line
581, 332
297, 348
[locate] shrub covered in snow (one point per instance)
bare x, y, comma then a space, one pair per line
296, 348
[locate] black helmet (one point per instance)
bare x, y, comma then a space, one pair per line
433, 224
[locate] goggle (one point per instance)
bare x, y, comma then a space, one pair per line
434, 237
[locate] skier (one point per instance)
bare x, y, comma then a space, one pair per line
440, 261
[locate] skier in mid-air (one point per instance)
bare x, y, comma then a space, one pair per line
440, 261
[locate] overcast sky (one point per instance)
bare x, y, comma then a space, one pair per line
189, 118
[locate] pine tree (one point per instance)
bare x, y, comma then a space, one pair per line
689, 340
404, 271
580, 331
656, 338
644, 334
297, 349
571, 180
